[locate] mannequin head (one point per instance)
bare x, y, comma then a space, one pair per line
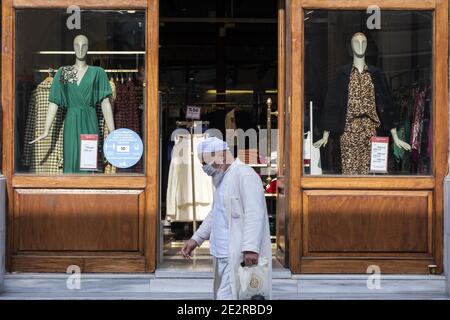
359, 44
81, 45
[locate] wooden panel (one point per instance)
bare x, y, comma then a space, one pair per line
152, 135
367, 221
86, 264
95, 220
364, 4
394, 266
83, 4
79, 182
391, 183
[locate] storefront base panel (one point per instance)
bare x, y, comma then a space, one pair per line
97, 230
363, 231
85, 263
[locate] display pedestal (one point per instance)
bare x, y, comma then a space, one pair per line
447, 233
2, 231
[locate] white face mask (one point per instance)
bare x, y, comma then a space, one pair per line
216, 174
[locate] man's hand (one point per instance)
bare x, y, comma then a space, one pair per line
188, 247
250, 258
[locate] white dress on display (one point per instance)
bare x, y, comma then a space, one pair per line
179, 200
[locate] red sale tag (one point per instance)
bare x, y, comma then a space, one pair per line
88, 151
379, 154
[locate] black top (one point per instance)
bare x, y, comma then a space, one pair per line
336, 102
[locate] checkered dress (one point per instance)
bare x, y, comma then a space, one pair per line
46, 155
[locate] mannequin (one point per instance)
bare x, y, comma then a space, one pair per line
359, 46
78, 88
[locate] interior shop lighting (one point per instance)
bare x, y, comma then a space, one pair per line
230, 92
239, 91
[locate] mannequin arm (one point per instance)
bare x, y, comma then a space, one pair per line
399, 143
108, 114
322, 142
51, 113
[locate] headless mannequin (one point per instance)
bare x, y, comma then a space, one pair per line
80, 44
359, 47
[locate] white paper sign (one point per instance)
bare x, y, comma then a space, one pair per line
88, 154
379, 154
193, 112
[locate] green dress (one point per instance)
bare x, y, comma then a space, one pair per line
80, 101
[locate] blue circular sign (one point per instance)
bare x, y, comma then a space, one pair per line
123, 148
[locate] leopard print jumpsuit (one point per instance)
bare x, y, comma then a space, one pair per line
361, 124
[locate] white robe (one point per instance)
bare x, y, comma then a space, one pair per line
179, 199
248, 221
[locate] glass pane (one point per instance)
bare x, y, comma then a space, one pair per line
368, 93
83, 73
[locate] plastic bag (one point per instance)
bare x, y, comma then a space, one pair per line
253, 281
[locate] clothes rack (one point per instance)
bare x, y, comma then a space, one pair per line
192, 125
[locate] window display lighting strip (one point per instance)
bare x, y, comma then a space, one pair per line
92, 52
106, 70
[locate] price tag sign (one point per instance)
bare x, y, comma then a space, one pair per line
193, 112
379, 154
88, 152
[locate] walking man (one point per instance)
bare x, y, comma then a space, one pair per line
238, 224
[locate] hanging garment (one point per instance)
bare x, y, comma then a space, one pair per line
80, 100
126, 107
230, 120
179, 199
417, 124
109, 168
46, 155
126, 114
361, 124
403, 102
313, 154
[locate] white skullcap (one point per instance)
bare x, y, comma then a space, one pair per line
211, 144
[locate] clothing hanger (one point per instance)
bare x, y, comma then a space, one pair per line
49, 78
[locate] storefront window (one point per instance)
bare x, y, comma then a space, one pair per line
79, 76
368, 93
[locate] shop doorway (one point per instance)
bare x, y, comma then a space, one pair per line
222, 57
